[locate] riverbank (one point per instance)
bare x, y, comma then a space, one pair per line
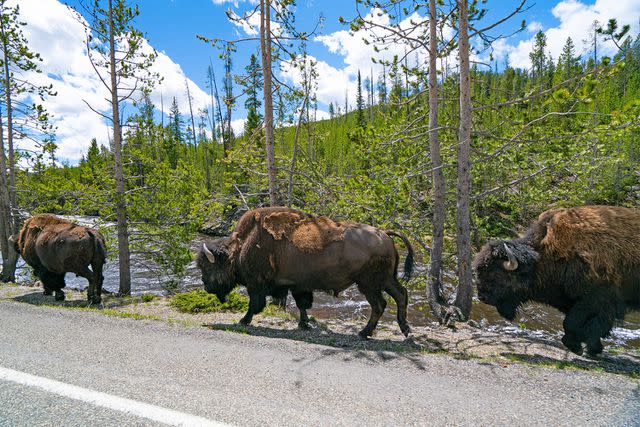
464, 341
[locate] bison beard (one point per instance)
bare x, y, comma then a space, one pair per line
276, 250
54, 246
583, 261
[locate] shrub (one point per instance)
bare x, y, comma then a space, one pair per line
148, 297
200, 301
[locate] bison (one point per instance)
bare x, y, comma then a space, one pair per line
584, 261
276, 250
54, 246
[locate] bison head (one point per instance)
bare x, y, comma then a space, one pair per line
505, 274
217, 268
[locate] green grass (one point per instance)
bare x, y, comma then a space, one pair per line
148, 297
200, 301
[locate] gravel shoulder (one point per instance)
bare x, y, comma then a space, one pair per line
464, 341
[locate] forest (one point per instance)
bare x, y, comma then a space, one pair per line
446, 148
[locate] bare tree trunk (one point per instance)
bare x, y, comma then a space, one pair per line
9, 254
265, 46
9, 207
12, 174
465, 289
124, 257
193, 123
436, 300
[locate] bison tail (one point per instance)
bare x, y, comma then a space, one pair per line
100, 249
408, 262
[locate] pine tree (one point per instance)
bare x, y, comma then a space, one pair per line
228, 99
175, 137
115, 50
252, 103
382, 87
360, 103
538, 57
396, 81
24, 120
568, 63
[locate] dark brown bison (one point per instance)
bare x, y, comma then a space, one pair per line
274, 250
54, 246
584, 261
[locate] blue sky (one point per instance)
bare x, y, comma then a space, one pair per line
171, 27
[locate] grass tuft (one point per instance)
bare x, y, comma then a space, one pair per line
200, 301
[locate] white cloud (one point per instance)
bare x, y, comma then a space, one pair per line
576, 19
336, 82
237, 126
53, 31
534, 27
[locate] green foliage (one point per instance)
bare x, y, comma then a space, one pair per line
148, 297
199, 301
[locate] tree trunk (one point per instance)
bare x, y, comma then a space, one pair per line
436, 300
9, 254
9, 209
124, 258
193, 122
465, 289
265, 46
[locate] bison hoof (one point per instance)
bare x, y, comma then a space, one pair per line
303, 326
47, 292
365, 333
59, 296
572, 345
406, 330
244, 321
94, 300
593, 350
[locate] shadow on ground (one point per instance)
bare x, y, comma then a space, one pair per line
348, 343
108, 301
465, 342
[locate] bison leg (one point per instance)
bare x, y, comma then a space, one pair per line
378, 304
257, 302
590, 319
53, 284
279, 296
93, 294
401, 297
304, 301
99, 278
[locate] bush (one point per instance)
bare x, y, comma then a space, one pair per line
200, 301
148, 297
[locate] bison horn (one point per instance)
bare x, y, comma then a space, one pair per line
208, 253
512, 263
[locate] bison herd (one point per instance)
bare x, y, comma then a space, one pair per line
584, 261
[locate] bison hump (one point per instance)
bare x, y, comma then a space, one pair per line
606, 238
308, 234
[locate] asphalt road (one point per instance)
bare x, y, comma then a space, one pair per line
157, 371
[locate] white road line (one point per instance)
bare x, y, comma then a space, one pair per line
97, 398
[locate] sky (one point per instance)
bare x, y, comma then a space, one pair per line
170, 27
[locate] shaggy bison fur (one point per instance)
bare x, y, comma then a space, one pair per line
584, 261
54, 246
276, 250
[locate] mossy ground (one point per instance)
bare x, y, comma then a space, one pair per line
465, 341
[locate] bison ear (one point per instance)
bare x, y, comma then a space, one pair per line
511, 263
208, 254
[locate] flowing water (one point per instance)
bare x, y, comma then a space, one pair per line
533, 319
